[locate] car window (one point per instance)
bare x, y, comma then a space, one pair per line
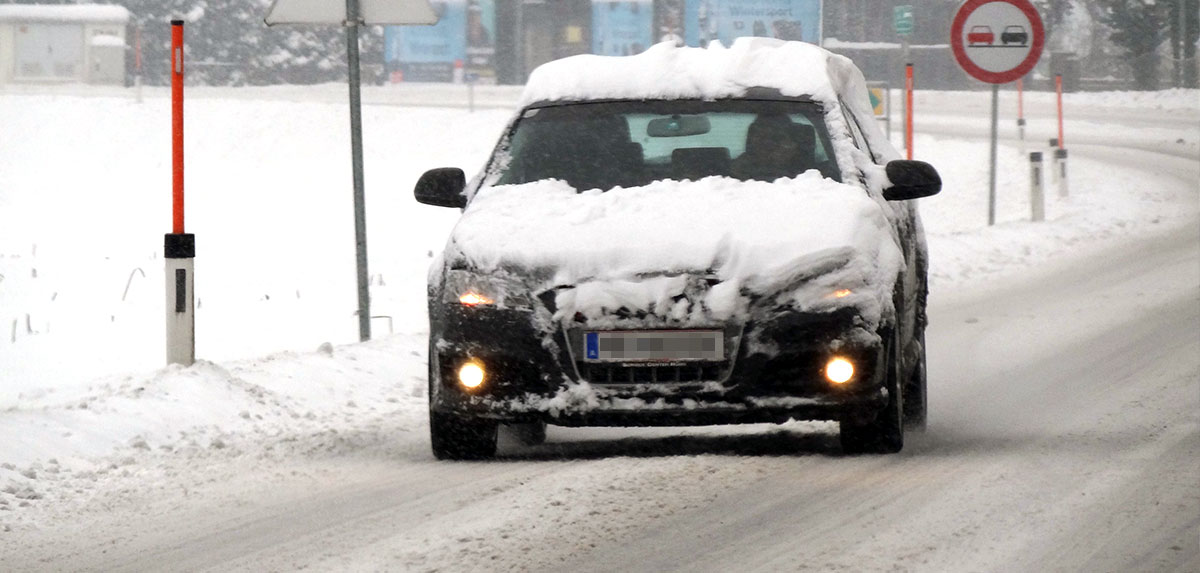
610, 144
856, 133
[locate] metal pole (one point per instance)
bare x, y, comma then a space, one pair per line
137, 63
908, 110
1058, 88
177, 126
1021, 110
1182, 45
356, 158
992, 162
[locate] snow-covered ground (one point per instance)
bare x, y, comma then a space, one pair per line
91, 421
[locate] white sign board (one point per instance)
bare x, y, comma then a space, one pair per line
334, 12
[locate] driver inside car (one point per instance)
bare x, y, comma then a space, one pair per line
775, 147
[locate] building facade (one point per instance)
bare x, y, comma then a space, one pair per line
62, 44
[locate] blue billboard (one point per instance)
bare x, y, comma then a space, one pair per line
622, 28
725, 20
462, 42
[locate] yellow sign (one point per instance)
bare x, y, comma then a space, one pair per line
878, 100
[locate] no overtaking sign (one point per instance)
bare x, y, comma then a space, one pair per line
997, 41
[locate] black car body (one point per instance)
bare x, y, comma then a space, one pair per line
709, 316
1014, 35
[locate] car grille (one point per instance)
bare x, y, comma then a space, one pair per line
617, 373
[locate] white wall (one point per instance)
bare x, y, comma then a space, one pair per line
6, 52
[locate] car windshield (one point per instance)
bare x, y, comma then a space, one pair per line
630, 143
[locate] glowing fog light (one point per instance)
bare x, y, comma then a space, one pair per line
472, 299
470, 375
839, 370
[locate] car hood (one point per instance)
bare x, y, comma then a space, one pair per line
761, 235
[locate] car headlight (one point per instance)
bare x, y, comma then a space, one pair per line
474, 289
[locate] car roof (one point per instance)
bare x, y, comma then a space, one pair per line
665, 71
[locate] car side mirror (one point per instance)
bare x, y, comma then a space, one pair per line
911, 180
442, 187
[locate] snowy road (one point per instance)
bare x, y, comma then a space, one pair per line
1064, 435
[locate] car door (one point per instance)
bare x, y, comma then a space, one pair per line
906, 230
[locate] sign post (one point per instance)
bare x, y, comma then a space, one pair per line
908, 110
351, 14
996, 41
903, 22
179, 248
1021, 110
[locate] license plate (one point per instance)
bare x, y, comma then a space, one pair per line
654, 346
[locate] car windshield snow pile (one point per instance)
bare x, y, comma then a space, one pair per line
632, 143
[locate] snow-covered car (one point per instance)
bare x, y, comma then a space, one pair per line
686, 236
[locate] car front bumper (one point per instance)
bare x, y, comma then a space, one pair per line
773, 372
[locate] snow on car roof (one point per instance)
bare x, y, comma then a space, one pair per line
668, 72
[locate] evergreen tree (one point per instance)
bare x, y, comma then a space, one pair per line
1138, 28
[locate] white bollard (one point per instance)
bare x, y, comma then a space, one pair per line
1060, 169
1037, 193
180, 256
1054, 172
1021, 134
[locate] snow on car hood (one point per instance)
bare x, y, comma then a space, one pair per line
754, 236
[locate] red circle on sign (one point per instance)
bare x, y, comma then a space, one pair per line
960, 54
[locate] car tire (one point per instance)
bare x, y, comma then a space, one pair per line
883, 434
457, 437
916, 399
530, 433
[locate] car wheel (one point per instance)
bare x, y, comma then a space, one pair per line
883, 434
916, 400
456, 437
529, 434
461, 438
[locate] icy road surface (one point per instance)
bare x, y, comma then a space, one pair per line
1064, 435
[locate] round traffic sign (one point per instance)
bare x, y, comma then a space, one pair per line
997, 41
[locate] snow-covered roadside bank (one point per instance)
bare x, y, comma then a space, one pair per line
77, 434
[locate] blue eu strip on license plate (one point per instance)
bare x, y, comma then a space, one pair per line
592, 346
